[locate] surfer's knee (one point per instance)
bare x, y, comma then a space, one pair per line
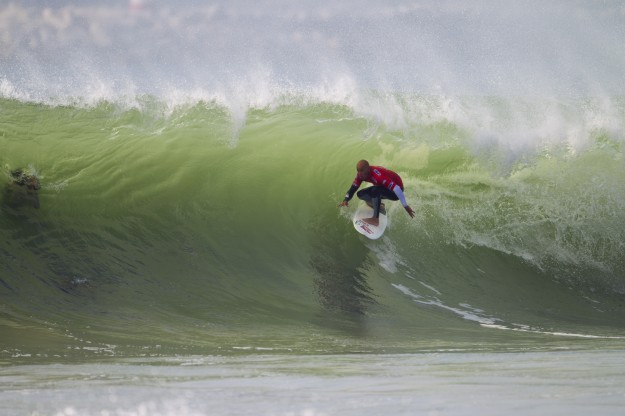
363, 194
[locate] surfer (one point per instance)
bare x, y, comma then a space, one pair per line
386, 185
23, 188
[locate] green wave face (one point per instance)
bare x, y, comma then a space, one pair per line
202, 228
190, 158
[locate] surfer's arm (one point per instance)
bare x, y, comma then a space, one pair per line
402, 198
400, 195
351, 192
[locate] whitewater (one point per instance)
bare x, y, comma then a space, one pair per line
186, 254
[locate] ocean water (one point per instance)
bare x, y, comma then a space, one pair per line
188, 256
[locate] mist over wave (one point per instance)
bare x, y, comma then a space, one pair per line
73, 49
369, 56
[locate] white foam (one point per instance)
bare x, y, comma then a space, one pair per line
478, 315
525, 328
469, 313
386, 252
397, 76
431, 288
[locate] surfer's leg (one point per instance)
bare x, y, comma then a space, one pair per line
386, 193
373, 197
365, 195
377, 201
378, 195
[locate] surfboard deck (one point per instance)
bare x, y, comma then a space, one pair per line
369, 231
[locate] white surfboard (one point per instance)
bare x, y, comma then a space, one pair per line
370, 231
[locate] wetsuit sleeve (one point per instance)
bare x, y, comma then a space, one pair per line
400, 195
353, 188
350, 192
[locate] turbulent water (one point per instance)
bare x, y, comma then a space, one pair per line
191, 160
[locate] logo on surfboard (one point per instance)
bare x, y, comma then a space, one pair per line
364, 226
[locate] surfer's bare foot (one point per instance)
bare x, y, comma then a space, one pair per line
372, 221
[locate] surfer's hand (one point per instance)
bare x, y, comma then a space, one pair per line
344, 204
410, 211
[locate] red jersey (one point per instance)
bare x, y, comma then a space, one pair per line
382, 177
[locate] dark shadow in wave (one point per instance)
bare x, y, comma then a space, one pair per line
22, 189
340, 262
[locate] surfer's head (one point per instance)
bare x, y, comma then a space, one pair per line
363, 169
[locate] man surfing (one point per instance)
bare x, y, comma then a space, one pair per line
386, 185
